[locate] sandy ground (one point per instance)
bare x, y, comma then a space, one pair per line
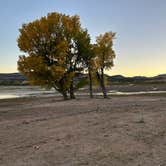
120, 131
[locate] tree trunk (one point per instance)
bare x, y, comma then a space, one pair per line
72, 96
90, 84
64, 93
104, 90
102, 85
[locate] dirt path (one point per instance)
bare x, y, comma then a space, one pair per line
121, 131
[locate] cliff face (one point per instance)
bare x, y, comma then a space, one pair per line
19, 79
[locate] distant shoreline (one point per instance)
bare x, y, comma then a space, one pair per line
17, 79
86, 96
112, 90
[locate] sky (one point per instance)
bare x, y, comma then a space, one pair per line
140, 25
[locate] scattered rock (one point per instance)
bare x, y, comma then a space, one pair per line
36, 147
58, 139
25, 122
106, 135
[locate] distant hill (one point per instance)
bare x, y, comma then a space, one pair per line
137, 79
19, 79
12, 79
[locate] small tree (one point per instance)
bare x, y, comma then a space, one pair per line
86, 53
104, 57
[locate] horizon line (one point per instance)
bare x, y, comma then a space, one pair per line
105, 74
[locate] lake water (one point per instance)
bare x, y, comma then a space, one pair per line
23, 91
7, 92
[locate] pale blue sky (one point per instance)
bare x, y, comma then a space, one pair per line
140, 25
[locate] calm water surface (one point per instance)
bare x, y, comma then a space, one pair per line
28, 91
23, 91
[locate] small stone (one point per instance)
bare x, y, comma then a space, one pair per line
36, 147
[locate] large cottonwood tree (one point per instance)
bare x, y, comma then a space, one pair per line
51, 51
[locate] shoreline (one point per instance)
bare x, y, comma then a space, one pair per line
85, 95
112, 90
